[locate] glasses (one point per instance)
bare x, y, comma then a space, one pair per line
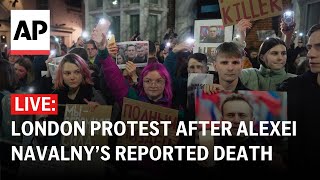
158, 82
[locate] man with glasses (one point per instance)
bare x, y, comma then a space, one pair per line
91, 50
154, 85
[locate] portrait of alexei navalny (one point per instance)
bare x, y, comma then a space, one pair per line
134, 51
211, 34
241, 106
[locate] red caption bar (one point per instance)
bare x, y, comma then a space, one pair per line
26, 104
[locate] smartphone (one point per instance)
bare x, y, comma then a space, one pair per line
190, 40
111, 39
102, 28
53, 53
288, 18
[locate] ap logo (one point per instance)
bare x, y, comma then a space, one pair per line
30, 32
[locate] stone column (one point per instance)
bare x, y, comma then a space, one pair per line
163, 20
86, 6
124, 24
144, 14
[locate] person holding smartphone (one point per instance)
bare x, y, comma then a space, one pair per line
272, 56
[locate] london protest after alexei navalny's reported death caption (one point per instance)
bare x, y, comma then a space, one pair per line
145, 128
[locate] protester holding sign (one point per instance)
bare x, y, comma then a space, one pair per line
73, 84
38, 62
242, 110
178, 70
131, 73
193, 63
154, 84
235, 10
228, 66
73, 81
154, 87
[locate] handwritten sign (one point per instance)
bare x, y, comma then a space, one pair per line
134, 110
80, 112
198, 80
232, 11
53, 66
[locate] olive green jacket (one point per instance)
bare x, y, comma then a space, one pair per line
263, 78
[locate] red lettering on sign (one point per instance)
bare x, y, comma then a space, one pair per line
261, 8
245, 16
238, 12
252, 10
225, 15
273, 4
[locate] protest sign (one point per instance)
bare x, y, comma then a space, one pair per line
80, 112
53, 66
134, 110
198, 80
232, 11
265, 105
264, 34
135, 51
246, 106
210, 33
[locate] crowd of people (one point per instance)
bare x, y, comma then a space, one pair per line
88, 74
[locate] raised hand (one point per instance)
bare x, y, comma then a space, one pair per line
288, 32
92, 105
285, 29
243, 25
112, 49
212, 88
131, 70
182, 47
